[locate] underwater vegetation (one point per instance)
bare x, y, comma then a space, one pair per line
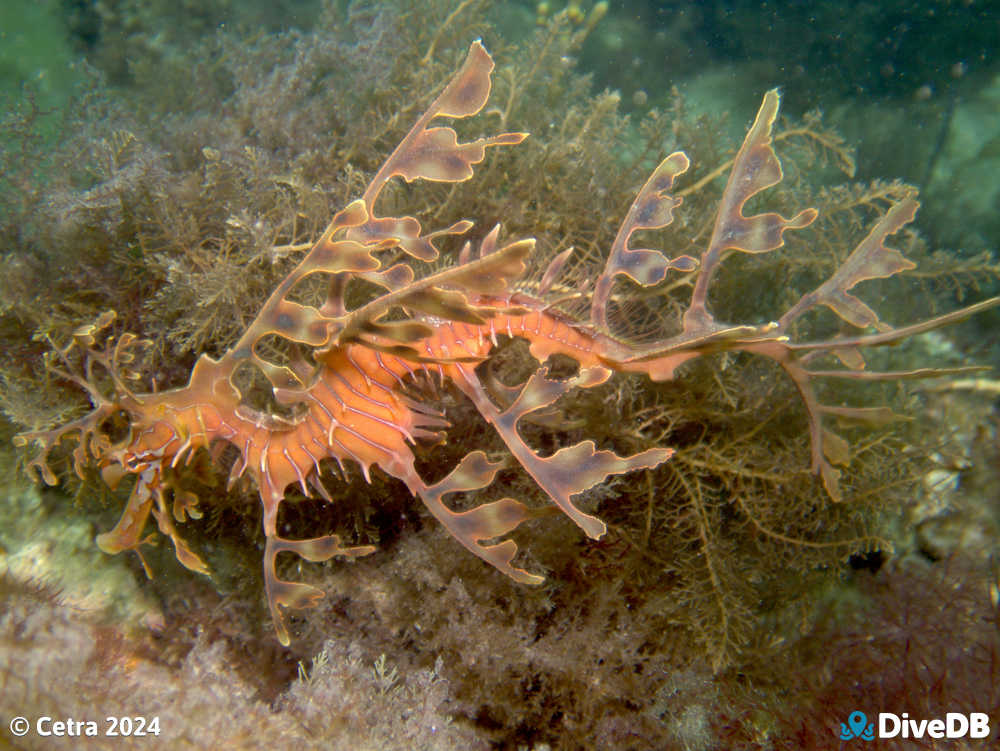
211, 320
342, 394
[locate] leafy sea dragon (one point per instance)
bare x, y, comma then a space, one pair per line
352, 399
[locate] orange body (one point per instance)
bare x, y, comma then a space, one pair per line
354, 410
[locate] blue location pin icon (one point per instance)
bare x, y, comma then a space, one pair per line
857, 721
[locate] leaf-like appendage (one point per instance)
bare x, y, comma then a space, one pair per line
435, 153
448, 304
127, 533
300, 323
469, 89
185, 555
348, 245
341, 256
756, 168
570, 470
484, 522
871, 259
285, 594
78, 362
446, 293
405, 232
400, 331
653, 208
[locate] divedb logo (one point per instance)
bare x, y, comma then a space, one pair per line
953, 725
